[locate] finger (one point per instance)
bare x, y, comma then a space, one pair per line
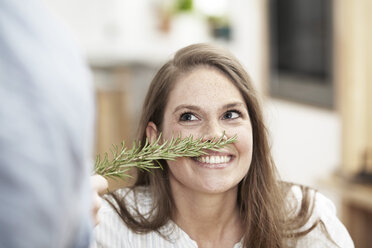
100, 184
97, 203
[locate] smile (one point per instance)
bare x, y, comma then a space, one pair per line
214, 159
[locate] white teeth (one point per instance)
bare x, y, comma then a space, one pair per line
211, 160
218, 159
214, 159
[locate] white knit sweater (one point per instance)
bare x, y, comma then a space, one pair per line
112, 231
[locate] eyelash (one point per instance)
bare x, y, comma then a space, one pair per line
186, 113
234, 111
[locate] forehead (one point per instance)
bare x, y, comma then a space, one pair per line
204, 83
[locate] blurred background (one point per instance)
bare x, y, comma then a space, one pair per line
311, 61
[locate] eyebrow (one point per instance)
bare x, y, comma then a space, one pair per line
234, 104
195, 107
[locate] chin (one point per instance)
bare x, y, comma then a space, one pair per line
217, 188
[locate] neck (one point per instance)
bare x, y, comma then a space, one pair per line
212, 220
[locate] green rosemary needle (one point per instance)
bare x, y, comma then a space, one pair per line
147, 157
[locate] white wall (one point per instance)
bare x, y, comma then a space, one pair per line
247, 20
107, 26
306, 141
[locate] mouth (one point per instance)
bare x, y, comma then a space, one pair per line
215, 161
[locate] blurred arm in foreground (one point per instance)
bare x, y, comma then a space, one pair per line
46, 132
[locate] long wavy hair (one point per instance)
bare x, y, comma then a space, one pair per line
261, 195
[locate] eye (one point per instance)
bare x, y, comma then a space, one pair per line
188, 117
231, 114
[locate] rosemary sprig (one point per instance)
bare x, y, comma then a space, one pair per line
143, 158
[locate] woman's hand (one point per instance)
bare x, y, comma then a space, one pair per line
99, 187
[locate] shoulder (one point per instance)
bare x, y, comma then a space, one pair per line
111, 230
329, 232
134, 198
138, 198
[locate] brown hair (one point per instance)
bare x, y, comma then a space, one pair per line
261, 196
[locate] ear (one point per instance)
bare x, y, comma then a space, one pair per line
151, 132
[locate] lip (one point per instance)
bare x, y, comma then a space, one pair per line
218, 153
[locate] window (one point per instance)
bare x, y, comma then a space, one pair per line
301, 51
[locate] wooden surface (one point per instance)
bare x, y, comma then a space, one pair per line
356, 208
357, 213
353, 75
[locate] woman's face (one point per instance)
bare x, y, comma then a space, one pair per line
205, 103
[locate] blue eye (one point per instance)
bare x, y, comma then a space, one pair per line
233, 114
188, 117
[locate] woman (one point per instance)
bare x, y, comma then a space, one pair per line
229, 198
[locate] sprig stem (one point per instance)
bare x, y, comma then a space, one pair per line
147, 157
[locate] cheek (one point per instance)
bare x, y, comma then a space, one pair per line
178, 167
245, 136
175, 130
245, 143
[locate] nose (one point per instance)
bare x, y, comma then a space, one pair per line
212, 130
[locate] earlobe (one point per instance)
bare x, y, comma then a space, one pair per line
151, 132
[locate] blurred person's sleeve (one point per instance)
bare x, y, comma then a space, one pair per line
46, 131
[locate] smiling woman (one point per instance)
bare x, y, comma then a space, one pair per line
205, 103
227, 198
